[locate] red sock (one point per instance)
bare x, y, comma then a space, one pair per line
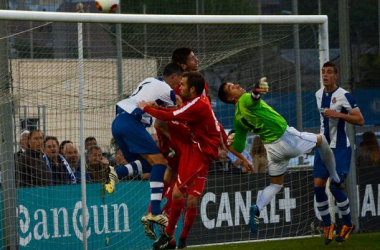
175, 214
166, 186
168, 196
190, 215
150, 207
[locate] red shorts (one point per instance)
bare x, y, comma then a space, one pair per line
198, 185
193, 170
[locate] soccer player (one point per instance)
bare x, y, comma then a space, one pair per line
198, 143
186, 59
336, 107
137, 145
281, 141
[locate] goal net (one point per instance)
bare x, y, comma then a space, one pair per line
63, 77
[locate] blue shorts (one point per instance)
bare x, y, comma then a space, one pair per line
342, 159
132, 137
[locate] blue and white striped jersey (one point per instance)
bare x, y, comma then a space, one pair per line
335, 129
151, 89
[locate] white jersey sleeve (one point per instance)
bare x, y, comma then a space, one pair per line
150, 89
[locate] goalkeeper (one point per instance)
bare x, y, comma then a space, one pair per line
281, 141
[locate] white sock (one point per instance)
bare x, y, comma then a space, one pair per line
328, 158
267, 195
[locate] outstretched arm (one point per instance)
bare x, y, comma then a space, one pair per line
247, 165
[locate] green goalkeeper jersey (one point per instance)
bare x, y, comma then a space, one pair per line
257, 117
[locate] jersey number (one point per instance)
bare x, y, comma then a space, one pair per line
140, 87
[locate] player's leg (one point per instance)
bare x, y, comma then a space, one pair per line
169, 181
327, 157
159, 164
126, 132
343, 161
321, 174
179, 137
177, 206
303, 143
163, 136
277, 165
194, 193
266, 196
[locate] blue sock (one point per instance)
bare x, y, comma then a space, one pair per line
134, 168
323, 204
156, 187
343, 204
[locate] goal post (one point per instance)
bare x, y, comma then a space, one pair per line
64, 81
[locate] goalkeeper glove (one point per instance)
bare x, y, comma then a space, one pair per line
261, 88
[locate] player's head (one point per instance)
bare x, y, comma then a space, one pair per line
230, 92
192, 85
330, 74
172, 74
186, 58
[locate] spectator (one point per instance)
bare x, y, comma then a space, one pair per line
23, 142
59, 167
89, 142
259, 155
31, 166
96, 164
63, 145
369, 151
71, 154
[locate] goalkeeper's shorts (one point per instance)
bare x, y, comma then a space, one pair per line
291, 144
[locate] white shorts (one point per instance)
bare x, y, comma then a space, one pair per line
291, 144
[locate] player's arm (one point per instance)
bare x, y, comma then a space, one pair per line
159, 114
189, 112
241, 159
354, 115
240, 138
167, 108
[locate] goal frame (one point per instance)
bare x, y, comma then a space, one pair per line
12, 15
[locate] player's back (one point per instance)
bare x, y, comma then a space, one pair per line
150, 89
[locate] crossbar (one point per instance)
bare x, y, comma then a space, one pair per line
158, 19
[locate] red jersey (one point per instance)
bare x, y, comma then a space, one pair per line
199, 117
